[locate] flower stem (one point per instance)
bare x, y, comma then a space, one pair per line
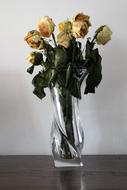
53, 37
94, 38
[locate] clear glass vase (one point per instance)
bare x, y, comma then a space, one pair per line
67, 137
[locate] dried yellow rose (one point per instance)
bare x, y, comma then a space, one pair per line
31, 57
103, 35
64, 38
80, 25
46, 26
65, 25
34, 40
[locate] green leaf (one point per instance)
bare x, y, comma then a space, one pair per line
89, 47
60, 56
39, 92
54, 77
74, 87
50, 57
68, 74
94, 76
41, 81
38, 80
60, 66
42, 78
38, 58
30, 69
61, 77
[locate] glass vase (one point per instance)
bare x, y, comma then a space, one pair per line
67, 135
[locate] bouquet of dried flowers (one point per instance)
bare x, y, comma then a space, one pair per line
62, 58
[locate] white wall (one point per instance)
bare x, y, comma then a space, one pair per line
25, 121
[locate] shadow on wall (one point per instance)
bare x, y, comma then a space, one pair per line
111, 104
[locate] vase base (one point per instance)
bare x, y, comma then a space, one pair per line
68, 163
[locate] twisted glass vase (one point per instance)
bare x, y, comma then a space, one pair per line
67, 135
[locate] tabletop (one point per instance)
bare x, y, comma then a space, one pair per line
38, 173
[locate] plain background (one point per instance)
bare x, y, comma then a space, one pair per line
25, 121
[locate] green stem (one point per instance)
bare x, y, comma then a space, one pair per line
53, 37
69, 118
66, 105
94, 38
73, 53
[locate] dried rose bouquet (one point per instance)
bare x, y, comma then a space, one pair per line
64, 61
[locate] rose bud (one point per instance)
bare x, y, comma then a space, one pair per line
46, 26
66, 25
34, 40
80, 25
64, 38
103, 35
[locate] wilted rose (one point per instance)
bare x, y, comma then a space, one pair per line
64, 38
46, 26
80, 25
65, 25
34, 40
31, 57
35, 58
103, 35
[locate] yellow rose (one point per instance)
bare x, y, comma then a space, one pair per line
64, 38
31, 57
35, 58
80, 25
103, 35
33, 39
66, 25
46, 26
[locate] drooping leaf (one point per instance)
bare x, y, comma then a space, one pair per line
38, 80
41, 81
94, 76
42, 78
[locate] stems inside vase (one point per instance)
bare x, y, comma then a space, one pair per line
67, 110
